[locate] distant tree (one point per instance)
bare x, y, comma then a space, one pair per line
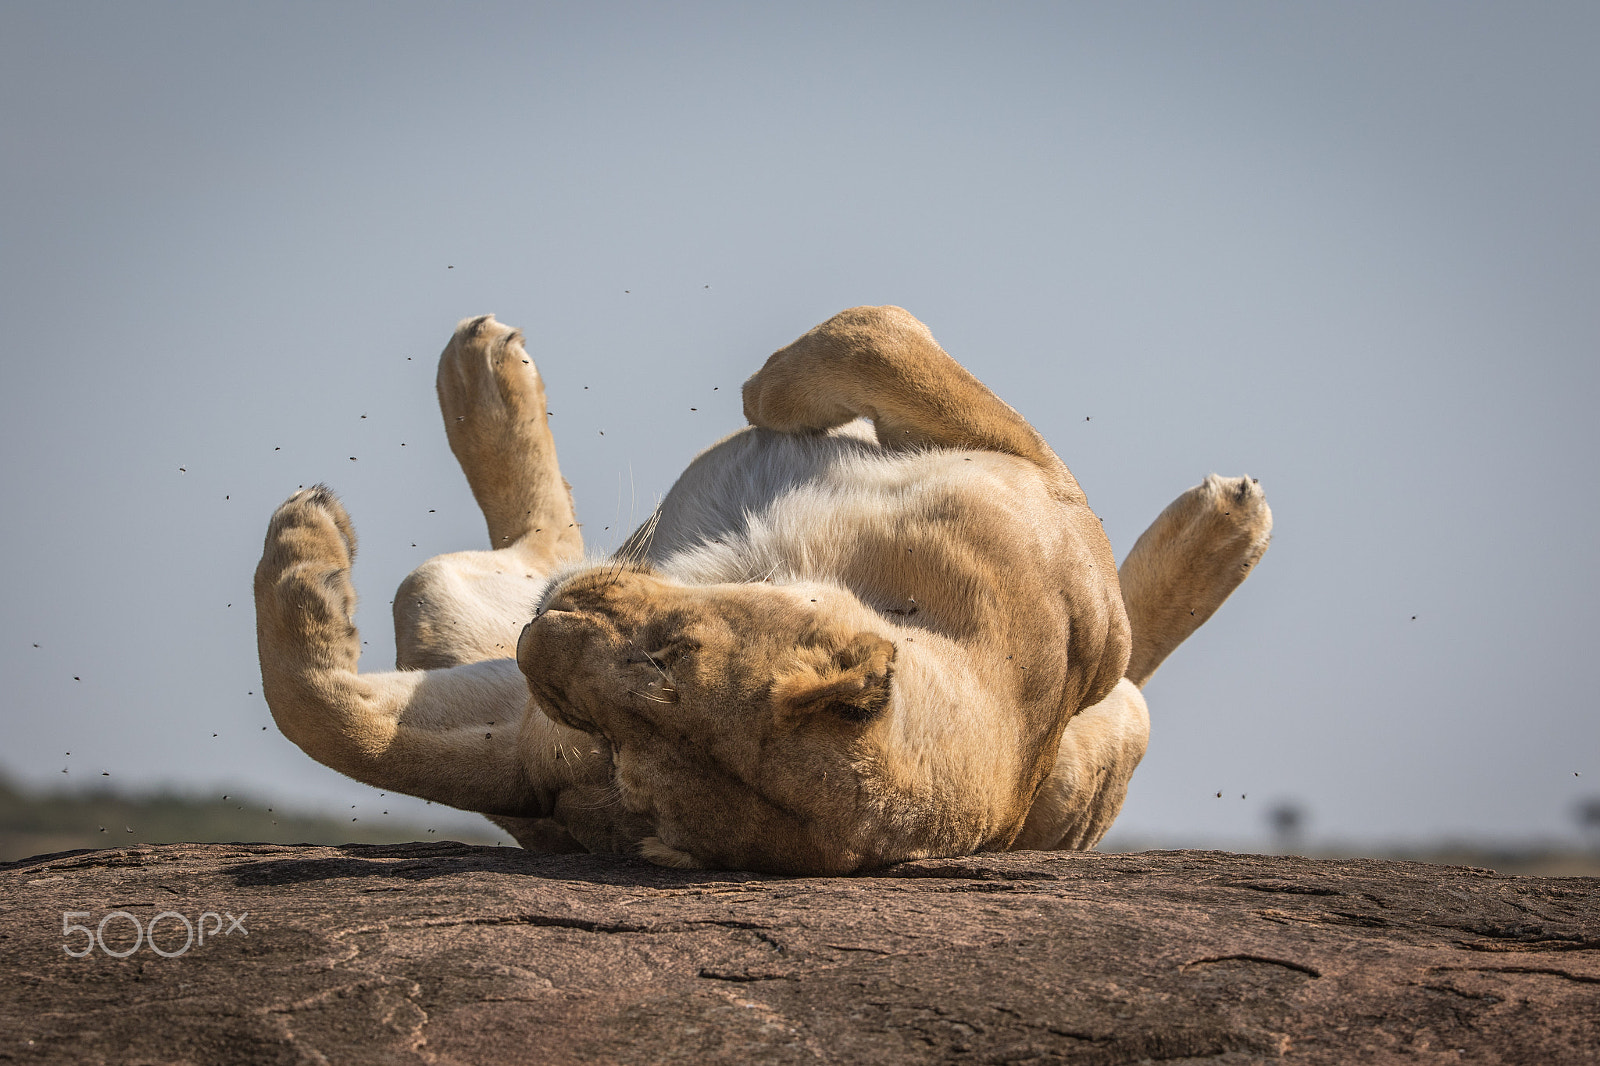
1587, 812
1287, 820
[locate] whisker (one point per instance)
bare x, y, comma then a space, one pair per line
648, 533
633, 551
568, 754
637, 546
614, 570
617, 519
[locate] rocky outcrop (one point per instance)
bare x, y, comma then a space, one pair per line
449, 953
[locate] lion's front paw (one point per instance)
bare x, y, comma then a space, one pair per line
305, 603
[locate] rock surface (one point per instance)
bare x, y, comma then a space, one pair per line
449, 953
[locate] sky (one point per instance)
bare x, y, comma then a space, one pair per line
1351, 250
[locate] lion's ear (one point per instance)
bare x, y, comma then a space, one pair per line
853, 684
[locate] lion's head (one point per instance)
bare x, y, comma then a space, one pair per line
745, 721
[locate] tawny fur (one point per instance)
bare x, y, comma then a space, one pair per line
837, 644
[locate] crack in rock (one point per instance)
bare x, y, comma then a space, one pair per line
1548, 971
1266, 960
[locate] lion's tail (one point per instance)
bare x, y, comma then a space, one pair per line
1192, 557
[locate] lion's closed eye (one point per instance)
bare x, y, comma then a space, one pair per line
666, 655
660, 661
662, 686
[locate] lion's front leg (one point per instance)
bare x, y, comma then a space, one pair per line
459, 736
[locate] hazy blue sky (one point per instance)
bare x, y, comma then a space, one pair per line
1350, 249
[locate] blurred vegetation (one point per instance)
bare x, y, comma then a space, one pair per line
1286, 821
1551, 860
1536, 858
39, 823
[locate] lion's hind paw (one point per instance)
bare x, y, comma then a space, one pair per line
1231, 514
1192, 557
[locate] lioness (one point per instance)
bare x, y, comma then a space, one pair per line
835, 645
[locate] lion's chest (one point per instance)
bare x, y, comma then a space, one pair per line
902, 529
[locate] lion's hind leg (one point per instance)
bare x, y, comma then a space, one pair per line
452, 736
1100, 749
883, 364
1188, 562
1179, 572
